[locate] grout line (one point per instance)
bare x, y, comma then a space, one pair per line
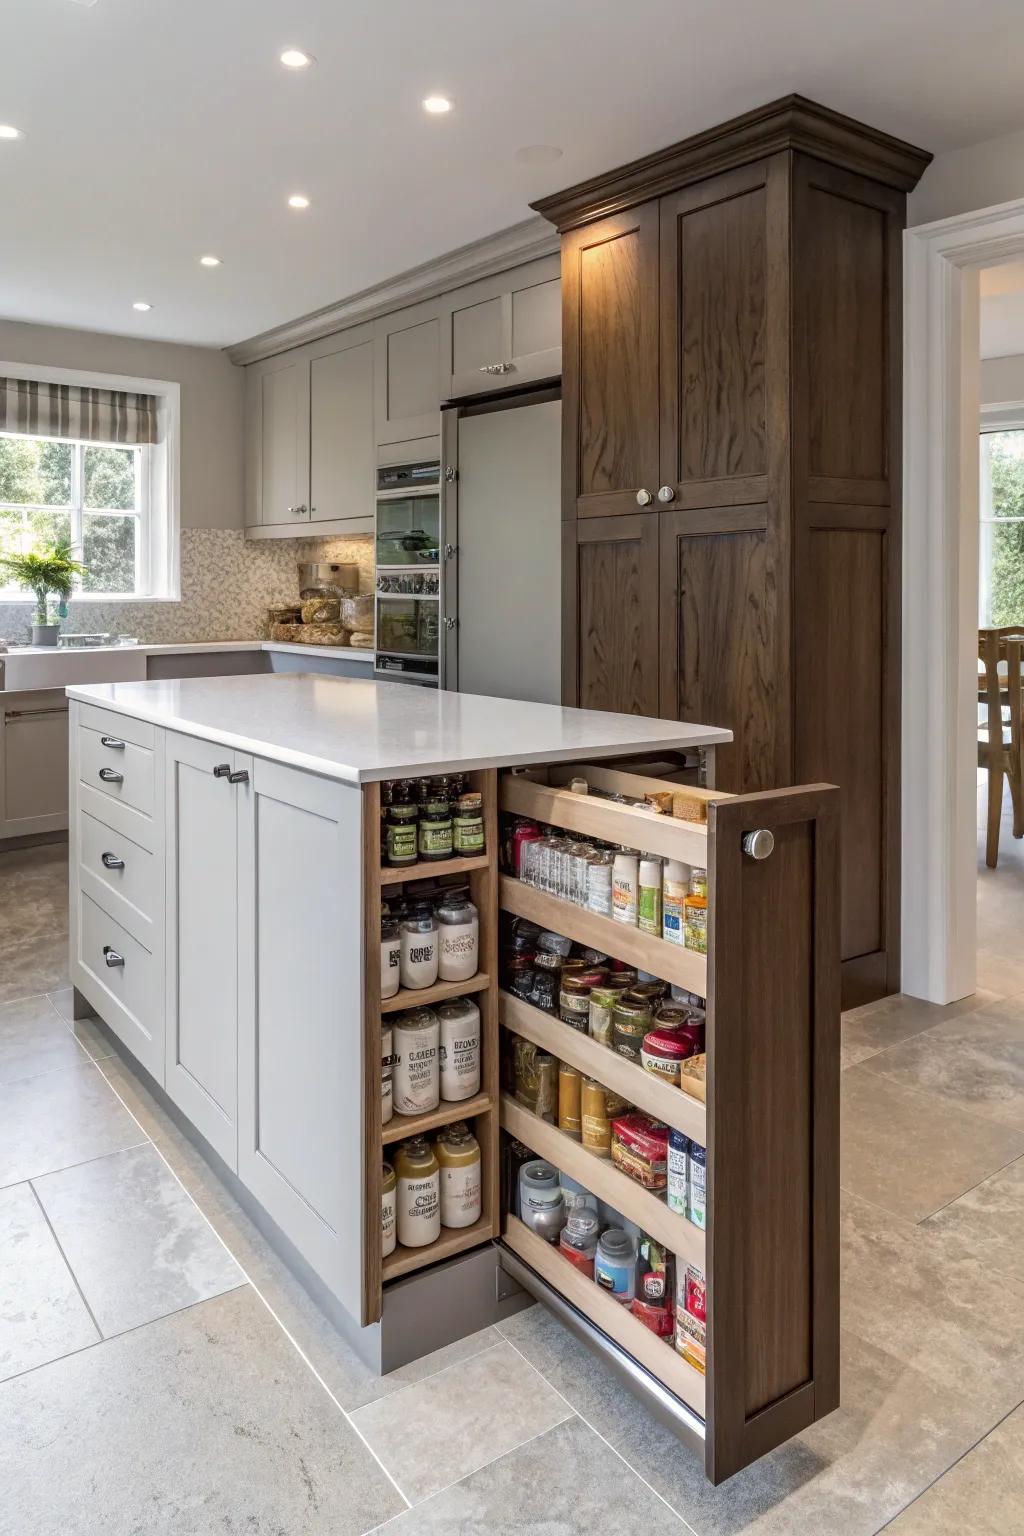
66, 1168
955, 1462
593, 1428
67, 1261
934, 1098
946, 1204
242, 1270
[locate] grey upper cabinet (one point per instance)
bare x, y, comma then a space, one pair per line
408, 374
503, 331
284, 443
341, 443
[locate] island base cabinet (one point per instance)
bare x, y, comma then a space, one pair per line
301, 1138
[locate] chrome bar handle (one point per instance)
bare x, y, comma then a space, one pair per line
112, 957
111, 776
112, 741
111, 861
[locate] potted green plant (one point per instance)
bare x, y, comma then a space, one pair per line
51, 573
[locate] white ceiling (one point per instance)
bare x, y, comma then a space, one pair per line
1002, 310
157, 130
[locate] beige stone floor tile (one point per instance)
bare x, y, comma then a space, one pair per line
438, 1431
34, 1039
973, 1063
877, 1026
89, 1033
985, 1224
997, 972
42, 1314
910, 1152
982, 1495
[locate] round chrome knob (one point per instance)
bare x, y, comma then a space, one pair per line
667, 493
758, 845
643, 498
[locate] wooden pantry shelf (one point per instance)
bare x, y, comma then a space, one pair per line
453, 1240
603, 1179
663, 1100
612, 822
423, 997
669, 962
427, 869
399, 1127
658, 1356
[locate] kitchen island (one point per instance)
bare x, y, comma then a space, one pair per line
227, 891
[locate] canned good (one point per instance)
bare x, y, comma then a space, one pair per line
662, 1051
678, 1153
640, 1149
574, 1002
630, 1023
570, 1086
602, 1012
596, 1125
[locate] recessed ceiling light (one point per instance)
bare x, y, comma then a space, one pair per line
294, 58
7, 132
437, 105
298, 200
538, 154
140, 304
209, 261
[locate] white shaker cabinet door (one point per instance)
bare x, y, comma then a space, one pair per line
301, 1143
204, 813
284, 443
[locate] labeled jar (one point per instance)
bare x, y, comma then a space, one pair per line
547, 970
649, 895
577, 1240
540, 1200
640, 1149
695, 921
523, 832
574, 1002
596, 1125
625, 888
697, 1185
601, 1011
615, 1264
458, 938
468, 825
400, 834
662, 1052
536, 1079
388, 1204
435, 831
387, 1063
674, 888
599, 882
417, 965
418, 1195
458, 1158
390, 956
460, 1049
416, 1085
631, 1021
678, 1154
570, 1088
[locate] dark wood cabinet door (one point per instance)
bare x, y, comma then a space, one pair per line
724, 337
610, 363
610, 614
720, 652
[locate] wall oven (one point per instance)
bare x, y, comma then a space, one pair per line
409, 598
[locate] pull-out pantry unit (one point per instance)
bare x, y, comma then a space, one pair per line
227, 894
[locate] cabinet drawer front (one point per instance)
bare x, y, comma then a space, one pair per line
124, 727
117, 768
124, 877
122, 967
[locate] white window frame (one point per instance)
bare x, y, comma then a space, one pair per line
159, 571
994, 418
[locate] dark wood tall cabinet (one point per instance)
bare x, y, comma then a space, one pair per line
731, 465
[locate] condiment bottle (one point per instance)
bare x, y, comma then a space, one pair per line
615, 1264
649, 899
388, 1204
625, 883
418, 1194
540, 1200
387, 1062
674, 888
458, 956
578, 1240
695, 923
390, 956
418, 958
458, 1156
460, 1049
697, 1185
678, 1151
468, 825
416, 1082
435, 826
400, 828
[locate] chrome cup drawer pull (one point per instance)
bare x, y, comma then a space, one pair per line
112, 741
111, 861
111, 776
112, 957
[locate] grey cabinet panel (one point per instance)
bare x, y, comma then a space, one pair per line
408, 384
479, 336
537, 325
341, 444
284, 444
504, 330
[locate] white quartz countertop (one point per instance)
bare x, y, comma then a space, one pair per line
193, 647
360, 732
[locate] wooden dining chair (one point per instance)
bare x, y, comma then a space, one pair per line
1000, 735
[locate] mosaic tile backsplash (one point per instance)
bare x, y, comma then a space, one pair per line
227, 582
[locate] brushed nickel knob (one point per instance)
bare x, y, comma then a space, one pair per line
758, 845
667, 493
643, 498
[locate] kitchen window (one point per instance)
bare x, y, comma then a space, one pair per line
1001, 563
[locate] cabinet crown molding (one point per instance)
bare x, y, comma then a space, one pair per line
512, 247
791, 123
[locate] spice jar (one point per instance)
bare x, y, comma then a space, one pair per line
388, 1203
615, 1264
416, 1085
577, 1241
468, 825
400, 832
599, 882
663, 1050
458, 939
460, 1049
596, 1125
695, 913
458, 1157
418, 958
418, 1194
390, 956
570, 1086
631, 1021
547, 976
574, 1002
435, 831
540, 1200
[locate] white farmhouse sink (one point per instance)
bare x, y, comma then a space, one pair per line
44, 667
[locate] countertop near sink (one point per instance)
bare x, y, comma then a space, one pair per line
38, 666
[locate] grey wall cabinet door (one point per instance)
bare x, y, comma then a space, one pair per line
301, 1148
408, 374
284, 443
503, 331
204, 811
341, 442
